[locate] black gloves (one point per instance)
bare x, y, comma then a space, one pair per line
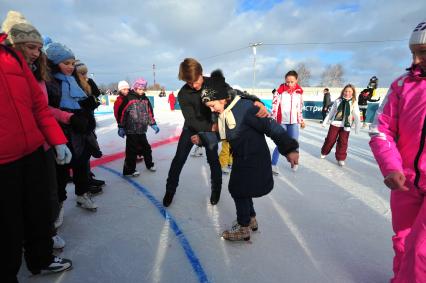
90, 103
79, 123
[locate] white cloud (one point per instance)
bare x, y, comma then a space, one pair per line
122, 39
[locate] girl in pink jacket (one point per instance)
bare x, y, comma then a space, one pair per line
398, 144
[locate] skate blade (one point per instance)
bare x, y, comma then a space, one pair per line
49, 272
243, 240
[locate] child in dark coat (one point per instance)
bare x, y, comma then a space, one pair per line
135, 114
251, 174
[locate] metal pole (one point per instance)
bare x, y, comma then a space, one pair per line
153, 70
254, 69
253, 46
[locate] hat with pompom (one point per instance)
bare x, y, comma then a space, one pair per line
24, 32
57, 52
12, 18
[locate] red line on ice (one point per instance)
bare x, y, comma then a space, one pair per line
112, 157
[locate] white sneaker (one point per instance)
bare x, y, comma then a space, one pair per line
60, 219
295, 167
275, 170
322, 156
341, 162
152, 169
226, 170
58, 242
84, 201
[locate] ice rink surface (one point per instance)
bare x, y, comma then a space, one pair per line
323, 223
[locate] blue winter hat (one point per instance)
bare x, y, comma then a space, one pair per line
57, 52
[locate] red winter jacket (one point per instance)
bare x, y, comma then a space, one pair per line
117, 105
25, 119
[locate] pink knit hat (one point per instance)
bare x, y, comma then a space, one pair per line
140, 83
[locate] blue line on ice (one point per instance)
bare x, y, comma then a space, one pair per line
193, 259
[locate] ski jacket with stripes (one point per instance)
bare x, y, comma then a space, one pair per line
287, 105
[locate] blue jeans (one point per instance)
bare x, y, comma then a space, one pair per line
292, 131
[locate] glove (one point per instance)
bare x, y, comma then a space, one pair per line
302, 125
78, 123
121, 132
90, 103
63, 154
155, 128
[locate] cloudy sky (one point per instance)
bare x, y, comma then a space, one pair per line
123, 39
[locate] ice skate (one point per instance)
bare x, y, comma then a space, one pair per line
295, 167
198, 152
96, 182
252, 225
226, 170
275, 170
58, 242
152, 168
134, 174
58, 264
322, 156
60, 219
341, 163
84, 201
95, 190
237, 233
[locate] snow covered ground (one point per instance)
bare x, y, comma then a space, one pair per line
322, 223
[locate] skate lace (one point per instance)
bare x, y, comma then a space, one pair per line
235, 226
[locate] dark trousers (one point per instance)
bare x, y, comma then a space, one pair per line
324, 113
364, 113
25, 216
245, 210
53, 187
341, 136
80, 177
182, 152
137, 145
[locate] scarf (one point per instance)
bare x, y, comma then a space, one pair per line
343, 112
71, 92
226, 118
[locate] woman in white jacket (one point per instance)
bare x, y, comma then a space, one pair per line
343, 112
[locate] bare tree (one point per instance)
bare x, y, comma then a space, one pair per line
155, 86
332, 76
304, 74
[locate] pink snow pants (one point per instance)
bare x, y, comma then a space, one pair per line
409, 241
